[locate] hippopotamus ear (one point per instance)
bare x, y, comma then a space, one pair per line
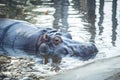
57, 40
45, 38
68, 35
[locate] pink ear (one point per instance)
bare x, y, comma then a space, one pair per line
42, 39
45, 38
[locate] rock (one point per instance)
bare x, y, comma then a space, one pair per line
14, 68
2, 76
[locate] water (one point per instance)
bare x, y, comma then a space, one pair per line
101, 27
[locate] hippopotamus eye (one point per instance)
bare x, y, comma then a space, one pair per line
57, 40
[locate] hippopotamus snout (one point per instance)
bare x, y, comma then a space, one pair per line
84, 51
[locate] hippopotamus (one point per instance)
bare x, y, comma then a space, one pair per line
46, 42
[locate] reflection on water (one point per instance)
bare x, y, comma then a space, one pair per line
101, 12
76, 4
91, 19
61, 14
114, 22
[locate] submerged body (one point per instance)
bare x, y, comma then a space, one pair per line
48, 43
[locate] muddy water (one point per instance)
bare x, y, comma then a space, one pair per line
101, 27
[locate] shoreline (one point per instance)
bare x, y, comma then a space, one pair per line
105, 69
27, 68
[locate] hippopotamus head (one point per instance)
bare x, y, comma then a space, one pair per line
56, 46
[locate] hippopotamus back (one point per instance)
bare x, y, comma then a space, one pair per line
18, 34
